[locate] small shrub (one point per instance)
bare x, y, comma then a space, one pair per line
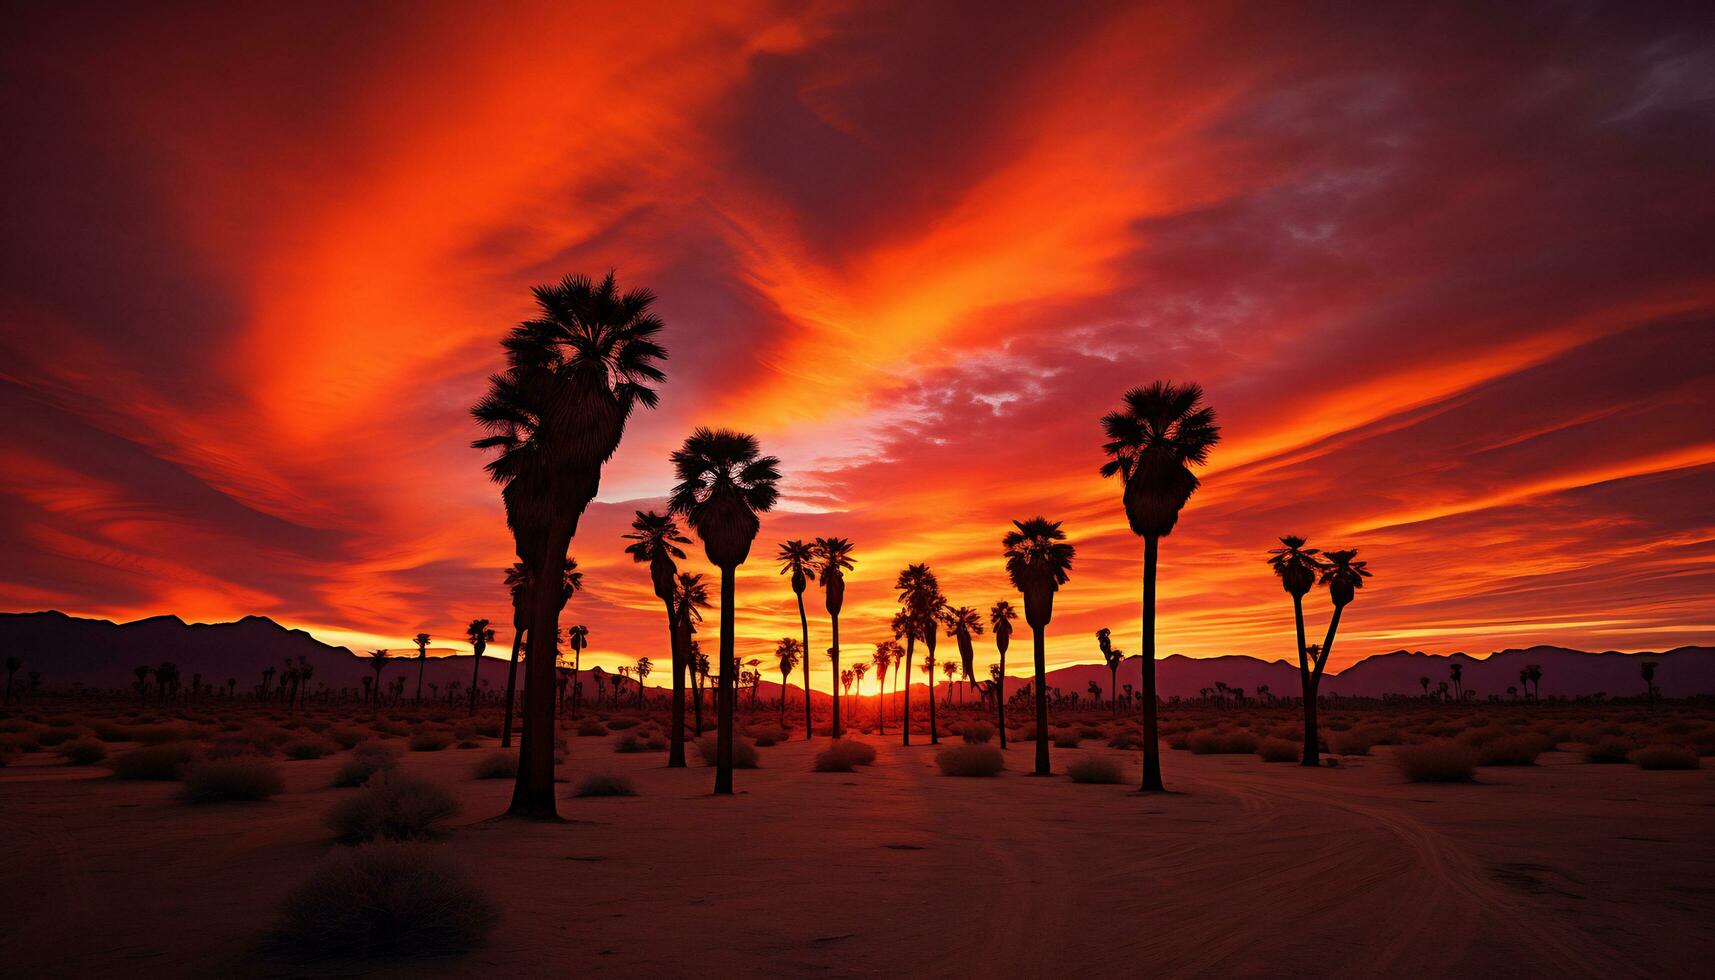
743, 751
83, 752
844, 755
345, 737
498, 765
366, 760
51, 737
1509, 750
1223, 743
382, 900
1067, 740
1440, 761
468, 744
1126, 740
1351, 743
1666, 757
970, 760
639, 742
591, 727
1609, 750
429, 741
157, 762
488, 729
977, 733
1278, 750
621, 724
391, 807
237, 779
768, 736
302, 749
1094, 769
604, 784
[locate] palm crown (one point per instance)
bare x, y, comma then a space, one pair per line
790, 652
833, 560
917, 588
798, 560
655, 539
1296, 565
1343, 574
690, 597
1153, 442
724, 482
1039, 561
1001, 615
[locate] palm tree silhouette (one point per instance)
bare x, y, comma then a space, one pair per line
377, 663
787, 653
885, 653
1456, 672
859, 669
798, 560
1424, 683
1153, 442
422, 641
1297, 566
963, 623
1001, 615
574, 374
724, 482
517, 583
142, 685
478, 635
1647, 669
1039, 561
833, 560
655, 538
917, 589
1112, 657
936, 606
644, 667
690, 598
949, 670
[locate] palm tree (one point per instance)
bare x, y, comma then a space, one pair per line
478, 635
690, 598
13, 665
574, 374
885, 653
788, 652
644, 667
724, 482
422, 641
1298, 566
1424, 683
520, 579
1152, 443
962, 623
655, 539
1112, 656
377, 663
917, 588
949, 670
1039, 561
833, 560
844, 677
935, 606
859, 669
1001, 615
1646, 668
1533, 674
1456, 672
798, 560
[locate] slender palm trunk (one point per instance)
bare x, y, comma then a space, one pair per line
676, 715
1311, 749
1040, 635
1309, 758
511, 682
804, 627
905, 719
1151, 735
1000, 703
881, 701
422, 661
836, 661
475, 674
533, 790
1114, 688
929, 688
728, 696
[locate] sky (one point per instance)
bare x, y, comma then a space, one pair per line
1444, 272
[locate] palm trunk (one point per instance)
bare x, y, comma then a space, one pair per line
728, 693
422, 661
475, 675
676, 716
836, 660
1311, 749
1151, 739
804, 627
881, 701
1040, 636
1000, 703
905, 718
934, 730
1309, 757
511, 682
533, 791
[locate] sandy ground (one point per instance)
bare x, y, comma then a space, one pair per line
1248, 869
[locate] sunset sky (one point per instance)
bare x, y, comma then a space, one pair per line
1448, 279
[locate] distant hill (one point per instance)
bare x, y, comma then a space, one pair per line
99, 653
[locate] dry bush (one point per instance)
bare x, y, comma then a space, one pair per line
83, 752
388, 726
621, 724
156, 762
772, 735
1094, 769
641, 742
970, 760
1126, 740
366, 760
52, 737
1666, 757
1440, 761
345, 736
977, 733
604, 784
158, 734
301, 749
1279, 750
1067, 740
429, 741
1354, 742
1612, 749
1223, 743
237, 779
488, 729
844, 755
1510, 750
743, 751
591, 727
383, 900
501, 764
391, 806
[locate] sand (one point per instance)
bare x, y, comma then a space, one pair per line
1248, 869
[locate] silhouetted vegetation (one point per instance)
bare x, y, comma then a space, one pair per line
383, 900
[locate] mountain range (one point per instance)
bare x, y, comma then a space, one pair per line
102, 654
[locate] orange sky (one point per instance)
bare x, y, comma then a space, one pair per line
1445, 277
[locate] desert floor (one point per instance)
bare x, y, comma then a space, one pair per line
1248, 868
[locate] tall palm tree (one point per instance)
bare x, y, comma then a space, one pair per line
517, 583
478, 635
1343, 575
962, 623
1112, 656
1001, 615
422, 641
555, 416
798, 560
1456, 673
724, 482
885, 653
787, 653
1297, 566
1647, 668
859, 670
578, 638
655, 538
1153, 441
833, 560
645, 666
1039, 561
932, 612
377, 663
690, 598
917, 587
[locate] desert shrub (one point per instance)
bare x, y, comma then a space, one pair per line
768, 736
1091, 731
488, 729
1126, 740
1278, 750
158, 734
640, 742
621, 724
1510, 750
467, 744
970, 760
977, 733
1179, 740
152, 762
1094, 769
604, 784
1223, 743
498, 765
844, 755
391, 807
1609, 750
591, 727
1666, 757
1350, 743
382, 900
743, 751
388, 726
109, 731
241, 778
52, 737
301, 749
1067, 740
83, 752
1440, 761
429, 741
366, 760
345, 736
